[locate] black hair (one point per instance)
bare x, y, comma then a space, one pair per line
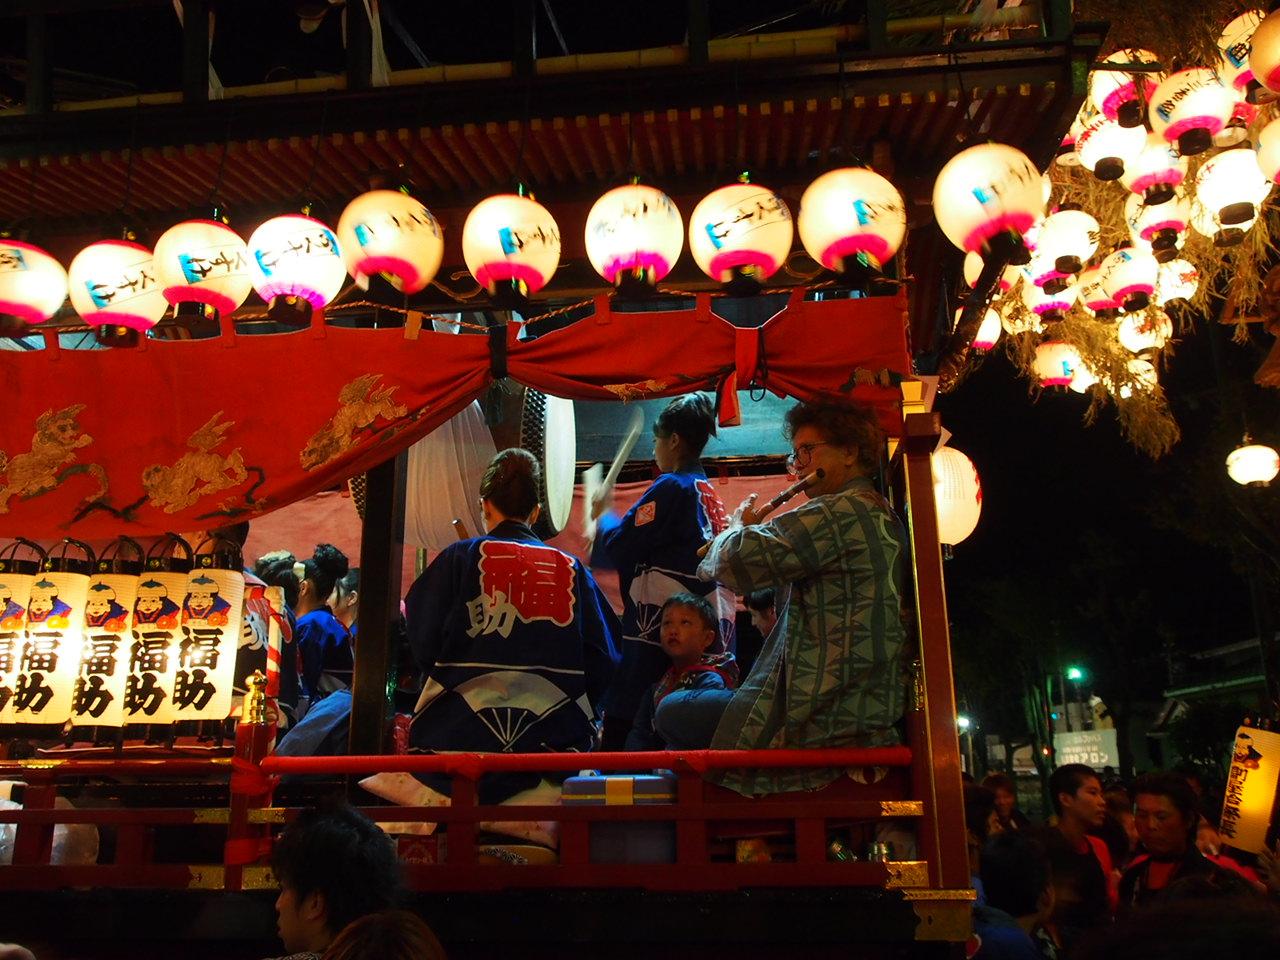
1068, 779
691, 417
1015, 872
759, 600
340, 853
350, 583
275, 569
324, 569
979, 804
1177, 789
700, 605
853, 426
237, 533
999, 781
511, 482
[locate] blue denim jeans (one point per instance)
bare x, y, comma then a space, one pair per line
687, 719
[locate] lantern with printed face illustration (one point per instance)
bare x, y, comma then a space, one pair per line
511, 243
32, 283
1177, 280
391, 233
1189, 107
295, 265
203, 263
634, 236
1156, 171
742, 231
1114, 93
852, 217
113, 286
1094, 295
957, 494
1264, 52
1129, 277
1055, 363
1157, 227
1138, 332
986, 198
1106, 148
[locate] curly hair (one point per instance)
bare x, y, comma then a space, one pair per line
852, 426
511, 482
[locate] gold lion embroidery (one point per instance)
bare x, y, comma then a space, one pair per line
360, 404
636, 391
198, 473
51, 460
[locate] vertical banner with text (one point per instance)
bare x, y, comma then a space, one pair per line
1251, 789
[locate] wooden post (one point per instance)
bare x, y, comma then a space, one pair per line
359, 48
195, 51
39, 92
699, 32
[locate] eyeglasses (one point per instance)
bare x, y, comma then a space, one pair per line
802, 454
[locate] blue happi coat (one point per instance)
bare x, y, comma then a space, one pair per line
517, 644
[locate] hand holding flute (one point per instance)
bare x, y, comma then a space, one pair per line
748, 513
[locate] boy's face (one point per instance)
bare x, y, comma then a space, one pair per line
684, 635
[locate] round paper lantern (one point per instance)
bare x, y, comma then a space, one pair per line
389, 232
957, 494
1232, 187
203, 261
1237, 128
1264, 52
1157, 226
1049, 305
32, 283
1082, 379
742, 228
988, 331
1114, 93
1129, 277
1269, 150
1144, 331
511, 239
1250, 464
1067, 239
1016, 319
634, 232
113, 283
1156, 171
986, 197
1055, 363
1177, 280
851, 213
1106, 148
973, 264
1144, 378
1093, 294
1189, 107
1234, 45
296, 256
1066, 155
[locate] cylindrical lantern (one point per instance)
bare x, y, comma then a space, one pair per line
851, 214
1049, 305
986, 197
113, 283
973, 265
1106, 148
957, 494
104, 664
511, 239
391, 233
1067, 239
1114, 93
1143, 378
157, 632
1149, 330
1253, 464
1157, 226
1129, 277
1264, 52
1156, 171
988, 331
634, 233
1094, 296
203, 262
1177, 280
296, 256
205, 676
32, 283
1231, 186
1234, 45
1189, 107
1269, 151
50, 663
1055, 363
16, 579
742, 229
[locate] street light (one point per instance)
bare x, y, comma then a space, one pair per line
963, 723
965, 726
1075, 673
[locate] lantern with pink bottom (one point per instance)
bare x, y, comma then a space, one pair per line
114, 287
296, 266
741, 234
203, 268
33, 285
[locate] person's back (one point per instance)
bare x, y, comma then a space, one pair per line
388, 935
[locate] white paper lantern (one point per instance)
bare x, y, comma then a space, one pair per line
1269, 150
1015, 319
1082, 379
987, 195
1237, 128
1177, 280
114, 283
988, 331
389, 232
1067, 239
1144, 378
634, 231
203, 261
1264, 52
1234, 45
1157, 226
1129, 277
1055, 363
742, 227
1156, 171
1114, 93
1232, 187
851, 212
1094, 295
1252, 464
1189, 107
32, 283
296, 256
957, 494
1049, 305
511, 239
1106, 148
973, 264
1205, 222
1149, 330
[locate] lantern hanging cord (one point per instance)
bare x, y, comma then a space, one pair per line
222, 161
315, 154
128, 169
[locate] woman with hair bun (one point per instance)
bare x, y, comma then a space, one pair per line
325, 656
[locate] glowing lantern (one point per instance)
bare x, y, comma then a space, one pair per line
203, 262
986, 198
634, 235
1129, 277
1055, 363
1049, 305
957, 494
1156, 171
1269, 150
1231, 188
1114, 93
1067, 239
973, 264
1066, 155
113, 284
1250, 799
743, 229
389, 232
1016, 319
1144, 378
1264, 52
988, 331
1253, 463
1094, 295
56, 616
1157, 226
1082, 379
32, 283
1234, 46
1237, 128
1140, 331
1106, 148
510, 239
849, 214
296, 258
1189, 107
1177, 280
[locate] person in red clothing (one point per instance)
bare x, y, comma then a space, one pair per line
1084, 879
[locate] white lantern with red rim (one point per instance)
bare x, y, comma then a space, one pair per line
1232, 187
113, 283
1253, 464
1082, 379
508, 238
1156, 171
1129, 277
1204, 221
1189, 107
1269, 151
391, 233
987, 197
296, 256
1149, 330
1264, 52
851, 214
1016, 318
957, 494
1093, 294
741, 229
973, 264
1234, 45
1066, 240
32, 283
1055, 363
203, 261
1177, 280
1237, 128
1106, 148
1050, 305
1157, 227
988, 331
1114, 93
634, 232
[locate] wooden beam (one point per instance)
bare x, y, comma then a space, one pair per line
39, 68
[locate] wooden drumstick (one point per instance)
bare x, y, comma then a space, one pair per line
593, 490
460, 529
771, 505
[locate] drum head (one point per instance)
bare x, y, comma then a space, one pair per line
547, 430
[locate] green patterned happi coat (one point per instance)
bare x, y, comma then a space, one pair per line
832, 671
